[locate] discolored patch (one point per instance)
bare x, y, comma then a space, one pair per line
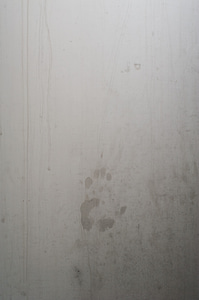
105, 223
86, 207
108, 176
88, 182
96, 173
122, 210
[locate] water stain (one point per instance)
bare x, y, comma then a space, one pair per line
122, 210
105, 223
88, 182
86, 207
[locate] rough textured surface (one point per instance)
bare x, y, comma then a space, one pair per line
99, 139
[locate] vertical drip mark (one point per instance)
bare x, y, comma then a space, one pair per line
48, 87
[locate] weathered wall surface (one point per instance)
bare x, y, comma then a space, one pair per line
99, 149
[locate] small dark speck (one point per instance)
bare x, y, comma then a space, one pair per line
3, 220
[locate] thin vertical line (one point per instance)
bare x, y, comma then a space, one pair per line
24, 146
27, 140
48, 86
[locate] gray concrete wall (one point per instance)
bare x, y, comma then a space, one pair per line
99, 149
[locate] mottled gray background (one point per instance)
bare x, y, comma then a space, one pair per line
99, 149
